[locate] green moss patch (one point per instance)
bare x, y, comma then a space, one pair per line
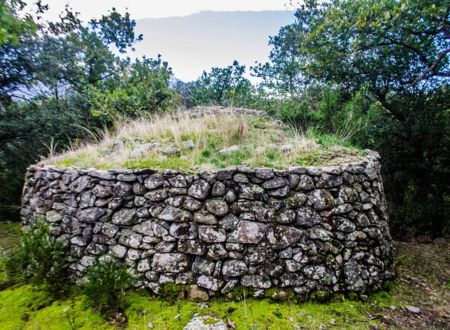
28, 307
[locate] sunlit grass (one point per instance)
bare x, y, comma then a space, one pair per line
187, 143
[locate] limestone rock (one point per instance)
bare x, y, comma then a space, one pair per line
192, 246
229, 150
183, 230
249, 232
170, 213
286, 216
210, 235
218, 189
118, 251
321, 199
110, 229
306, 183
122, 189
203, 266
53, 216
205, 322
277, 182
255, 281
217, 207
283, 236
157, 195
199, 189
154, 181
145, 228
209, 282
197, 293
205, 218
296, 200
124, 217
170, 262
233, 268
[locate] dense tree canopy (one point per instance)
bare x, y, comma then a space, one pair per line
56, 77
395, 55
222, 86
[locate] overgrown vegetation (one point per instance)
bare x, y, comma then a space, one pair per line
59, 80
106, 282
39, 259
211, 141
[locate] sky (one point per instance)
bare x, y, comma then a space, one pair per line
163, 8
195, 35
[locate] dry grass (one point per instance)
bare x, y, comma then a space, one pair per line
185, 143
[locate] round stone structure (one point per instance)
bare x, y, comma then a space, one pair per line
303, 228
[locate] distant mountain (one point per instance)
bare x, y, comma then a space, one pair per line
200, 41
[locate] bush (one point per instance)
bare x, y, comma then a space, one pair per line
106, 283
40, 259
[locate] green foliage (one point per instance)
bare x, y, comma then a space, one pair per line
374, 73
30, 307
57, 77
12, 27
172, 291
28, 130
220, 86
282, 75
135, 89
40, 259
388, 44
106, 283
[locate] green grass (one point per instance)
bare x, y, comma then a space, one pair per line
262, 143
28, 307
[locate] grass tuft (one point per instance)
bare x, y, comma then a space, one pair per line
207, 142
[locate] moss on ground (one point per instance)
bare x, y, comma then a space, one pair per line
423, 281
28, 307
249, 314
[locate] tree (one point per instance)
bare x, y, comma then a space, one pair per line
389, 45
58, 76
136, 88
221, 86
283, 73
13, 27
399, 53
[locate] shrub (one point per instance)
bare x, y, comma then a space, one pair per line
106, 283
40, 259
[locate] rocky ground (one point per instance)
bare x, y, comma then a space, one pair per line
419, 298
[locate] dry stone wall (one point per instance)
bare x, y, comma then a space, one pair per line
305, 228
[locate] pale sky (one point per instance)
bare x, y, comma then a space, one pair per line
193, 42
162, 8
